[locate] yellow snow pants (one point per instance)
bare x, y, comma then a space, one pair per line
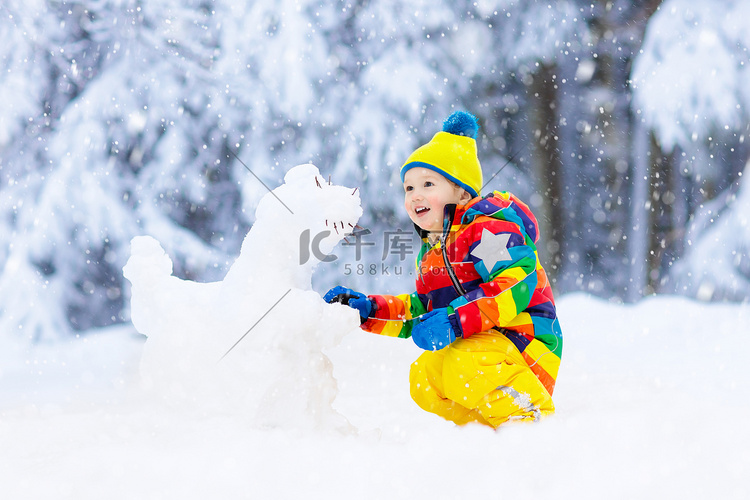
482, 379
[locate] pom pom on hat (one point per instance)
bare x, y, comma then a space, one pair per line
461, 123
452, 153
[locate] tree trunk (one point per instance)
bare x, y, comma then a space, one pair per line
638, 228
547, 169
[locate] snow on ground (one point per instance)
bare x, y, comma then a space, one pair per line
652, 403
651, 398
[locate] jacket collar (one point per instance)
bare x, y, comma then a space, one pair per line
451, 213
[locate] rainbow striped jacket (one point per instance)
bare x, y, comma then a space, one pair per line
490, 244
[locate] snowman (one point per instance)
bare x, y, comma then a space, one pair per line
254, 342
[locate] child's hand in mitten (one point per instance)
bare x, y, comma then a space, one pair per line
436, 329
349, 297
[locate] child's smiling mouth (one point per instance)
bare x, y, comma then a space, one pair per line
421, 210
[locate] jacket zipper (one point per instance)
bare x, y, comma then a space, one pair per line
448, 215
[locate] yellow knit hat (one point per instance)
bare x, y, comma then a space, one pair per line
452, 153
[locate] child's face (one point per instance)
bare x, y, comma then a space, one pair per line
425, 195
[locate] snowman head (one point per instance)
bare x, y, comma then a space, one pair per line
310, 209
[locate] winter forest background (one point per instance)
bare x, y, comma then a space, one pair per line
622, 123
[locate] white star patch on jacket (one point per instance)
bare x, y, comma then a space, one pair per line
492, 249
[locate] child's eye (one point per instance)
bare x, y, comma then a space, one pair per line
408, 188
428, 184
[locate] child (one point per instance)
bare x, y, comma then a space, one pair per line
483, 310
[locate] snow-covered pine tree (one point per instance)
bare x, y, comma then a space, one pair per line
119, 138
692, 91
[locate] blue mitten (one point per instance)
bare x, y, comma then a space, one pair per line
436, 329
349, 297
